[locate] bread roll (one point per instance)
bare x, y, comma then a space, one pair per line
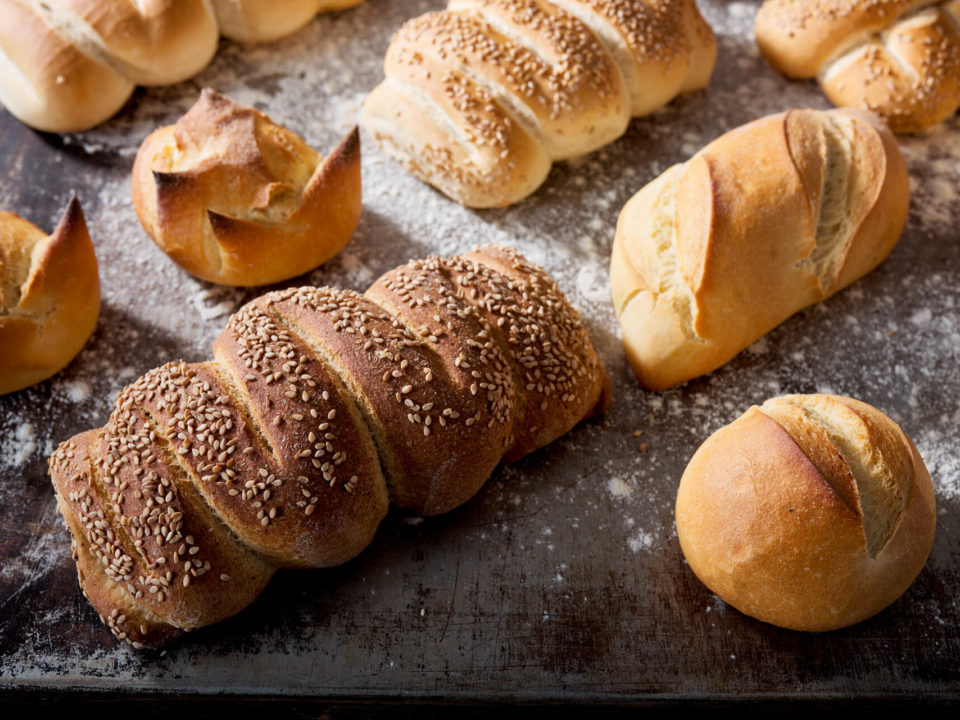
897, 58
811, 512
49, 296
319, 405
236, 199
479, 100
765, 220
67, 65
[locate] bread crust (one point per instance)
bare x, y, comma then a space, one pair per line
236, 199
49, 299
68, 65
764, 529
320, 406
480, 99
715, 253
897, 58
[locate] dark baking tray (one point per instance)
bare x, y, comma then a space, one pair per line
562, 581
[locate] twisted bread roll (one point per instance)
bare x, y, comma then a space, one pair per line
236, 199
320, 404
898, 58
765, 220
480, 99
67, 65
49, 296
812, 512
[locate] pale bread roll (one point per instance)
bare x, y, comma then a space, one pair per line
480, 99
68, 65
767, 219
49, 296
897, 58
811, 512
237, 199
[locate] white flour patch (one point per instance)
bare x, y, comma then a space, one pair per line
619, 487
19, 446
640, 541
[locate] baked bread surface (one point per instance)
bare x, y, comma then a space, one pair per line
897, 58
68, 65
49, 296
320, 405
811, 512
481, 98
767, 219
237, 199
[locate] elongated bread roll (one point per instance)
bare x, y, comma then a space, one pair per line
67, 65
811, 512
898, 58
236, 199
49, 296
765, 220
480, 99
320, 405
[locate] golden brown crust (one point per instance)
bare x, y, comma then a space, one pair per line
236, 199
481, 98
762, 528
49, 296
694, 276
278, 453
897, 58
68, 65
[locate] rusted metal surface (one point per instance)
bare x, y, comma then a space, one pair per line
562, 580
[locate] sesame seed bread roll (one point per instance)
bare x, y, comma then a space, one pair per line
320, 407
49, 296
897, 58
811, 512
68, 65
236, 199
480, 99
762, 222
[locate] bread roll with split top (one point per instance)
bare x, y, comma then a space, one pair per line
811, 512
68, 65
897, 58
764, 221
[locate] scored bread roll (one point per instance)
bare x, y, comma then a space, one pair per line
236, 199
811, 512
897, 58
67, 65
49, 296
320, 405
480, 99
764, 221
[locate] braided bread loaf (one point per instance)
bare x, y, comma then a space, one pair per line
319, 406
898, 58
481, 99
67, 65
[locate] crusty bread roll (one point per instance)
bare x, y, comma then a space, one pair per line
811, 512
49, 296
67, 65
765, 220
479, 100
898, 58
236, 199
320, 404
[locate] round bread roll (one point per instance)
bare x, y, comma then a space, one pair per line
49, 296
236, 199
811, 512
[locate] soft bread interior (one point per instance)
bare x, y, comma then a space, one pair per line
864, 445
